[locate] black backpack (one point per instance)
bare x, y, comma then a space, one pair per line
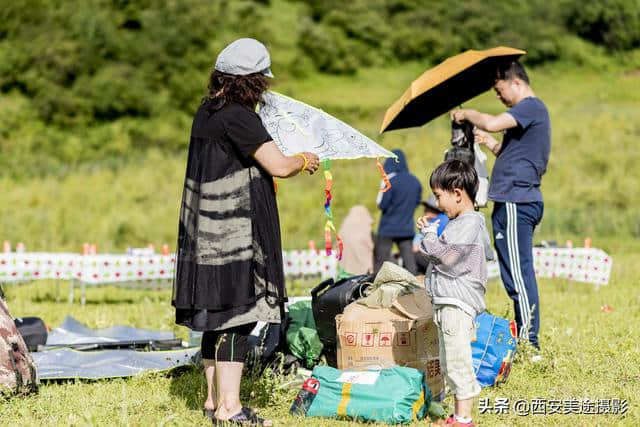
33, 331
268, 349
462, 141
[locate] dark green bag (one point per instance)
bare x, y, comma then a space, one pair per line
302, 336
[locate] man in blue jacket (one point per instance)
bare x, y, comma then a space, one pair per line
398, 205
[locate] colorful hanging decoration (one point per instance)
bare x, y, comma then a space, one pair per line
329, 227
385, 178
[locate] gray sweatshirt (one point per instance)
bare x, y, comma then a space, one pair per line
457, 271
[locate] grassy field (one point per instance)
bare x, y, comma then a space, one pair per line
590, 190
588, 353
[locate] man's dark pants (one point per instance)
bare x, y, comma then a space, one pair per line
383, 252
513, 226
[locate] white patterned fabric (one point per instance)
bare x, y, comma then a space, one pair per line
297, 127
301, 263
588, 265
91, 269
21, 267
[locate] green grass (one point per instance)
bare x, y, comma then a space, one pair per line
589, 189
587, 354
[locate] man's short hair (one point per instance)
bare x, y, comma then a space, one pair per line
454, 174
511, 70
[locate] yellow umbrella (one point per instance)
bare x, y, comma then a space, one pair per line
448, 84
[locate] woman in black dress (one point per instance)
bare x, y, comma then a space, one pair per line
229, 272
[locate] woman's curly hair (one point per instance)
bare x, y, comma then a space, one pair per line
225, 88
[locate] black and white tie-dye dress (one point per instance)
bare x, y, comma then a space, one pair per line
229, 257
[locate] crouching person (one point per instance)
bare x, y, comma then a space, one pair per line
456, 278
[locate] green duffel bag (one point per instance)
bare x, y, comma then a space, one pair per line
395, 395
302, 336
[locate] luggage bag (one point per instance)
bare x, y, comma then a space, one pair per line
329, 299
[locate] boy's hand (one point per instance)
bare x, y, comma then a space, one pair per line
421, 222
425, 226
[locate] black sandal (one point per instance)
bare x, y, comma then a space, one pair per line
245, 417
209, 413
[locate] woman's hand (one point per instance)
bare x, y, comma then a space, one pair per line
313, 162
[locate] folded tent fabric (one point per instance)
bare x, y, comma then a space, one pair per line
65, 363
391, 282
71, 331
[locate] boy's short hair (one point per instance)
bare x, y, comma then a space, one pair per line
512, 70
455, 174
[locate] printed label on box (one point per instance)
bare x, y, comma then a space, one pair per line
351, 338
403, 339
433, 368
386, 339
368, 339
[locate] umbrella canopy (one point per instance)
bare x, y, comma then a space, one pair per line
447, 85
296, 127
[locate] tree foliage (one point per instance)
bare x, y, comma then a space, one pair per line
82, 80
381, 31
612, 23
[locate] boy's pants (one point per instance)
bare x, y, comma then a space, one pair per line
513, 226
456, 330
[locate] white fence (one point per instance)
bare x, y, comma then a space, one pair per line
588, 265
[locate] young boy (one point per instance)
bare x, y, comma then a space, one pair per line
456, 278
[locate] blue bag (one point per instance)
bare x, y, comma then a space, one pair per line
493, 349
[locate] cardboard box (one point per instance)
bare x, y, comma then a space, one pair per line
403, 334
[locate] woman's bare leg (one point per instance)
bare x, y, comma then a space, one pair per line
209, 374
229, 375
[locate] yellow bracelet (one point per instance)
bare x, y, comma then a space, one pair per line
306, 161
